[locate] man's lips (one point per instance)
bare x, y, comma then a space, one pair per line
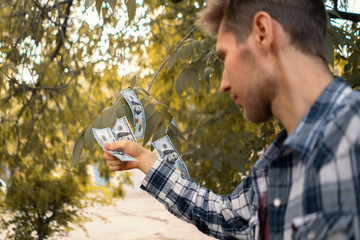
236, 100
234, 97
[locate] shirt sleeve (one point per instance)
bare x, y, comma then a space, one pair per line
224, 217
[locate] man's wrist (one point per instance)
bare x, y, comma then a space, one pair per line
147, 162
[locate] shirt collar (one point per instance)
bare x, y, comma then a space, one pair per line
272, 152
305, 135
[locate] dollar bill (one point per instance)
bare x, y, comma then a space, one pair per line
174, 122
168, 153
105, 135
123, 131
137, 111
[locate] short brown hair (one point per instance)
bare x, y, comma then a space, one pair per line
304, 20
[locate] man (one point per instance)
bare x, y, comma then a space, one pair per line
307, 184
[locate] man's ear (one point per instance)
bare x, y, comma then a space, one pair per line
263, 31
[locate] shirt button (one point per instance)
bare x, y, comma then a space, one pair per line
277, 202
311, 235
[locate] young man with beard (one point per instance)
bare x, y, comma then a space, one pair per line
307, 183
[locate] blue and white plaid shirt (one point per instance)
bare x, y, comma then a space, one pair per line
311, 178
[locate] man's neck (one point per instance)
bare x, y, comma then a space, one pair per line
302, 79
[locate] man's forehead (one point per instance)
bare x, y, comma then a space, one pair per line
220, 35
224, 36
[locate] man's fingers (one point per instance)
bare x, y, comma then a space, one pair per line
118, 165
115, 163
129, 147
116, 168
119, 145
108, 156
145, 157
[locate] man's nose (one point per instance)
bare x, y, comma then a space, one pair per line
225, 85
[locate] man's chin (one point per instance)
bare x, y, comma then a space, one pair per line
255, 117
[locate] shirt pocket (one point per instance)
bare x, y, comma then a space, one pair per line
323, 226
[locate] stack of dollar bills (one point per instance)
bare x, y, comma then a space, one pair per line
123, 131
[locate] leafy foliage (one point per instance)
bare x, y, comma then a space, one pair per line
43, 204
203, 114
59, 73
52, 82
218, 138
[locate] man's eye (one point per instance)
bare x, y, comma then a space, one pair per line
221, 55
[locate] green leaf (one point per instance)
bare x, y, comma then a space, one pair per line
176, 131
175, 140
160, 132
149, 109
108, 118
217, 164
166, 115
160, 103
172, 61
193, 77
180, 84
151, 125
89, 139
140, 93
189, 48
112, 4
199, 66
207, 73
120, 110
133, 82
89, 3
128, 114
218, 68
131, 9
143, 101
97, 122
353, 57
347, 67
118, 96
78, 148
181, 54
98, 6
353, 80
198, 47
142, 90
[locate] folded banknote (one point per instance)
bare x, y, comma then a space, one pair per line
137, 112
121, 131
168, 153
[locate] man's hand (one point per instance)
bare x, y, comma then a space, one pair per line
146, 157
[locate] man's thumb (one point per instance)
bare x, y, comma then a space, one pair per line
108, 146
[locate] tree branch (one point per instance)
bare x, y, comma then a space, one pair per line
25, 86
44, 12
27, 215
62, 33
344, 15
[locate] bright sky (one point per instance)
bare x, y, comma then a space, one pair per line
354, 6
92, 18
